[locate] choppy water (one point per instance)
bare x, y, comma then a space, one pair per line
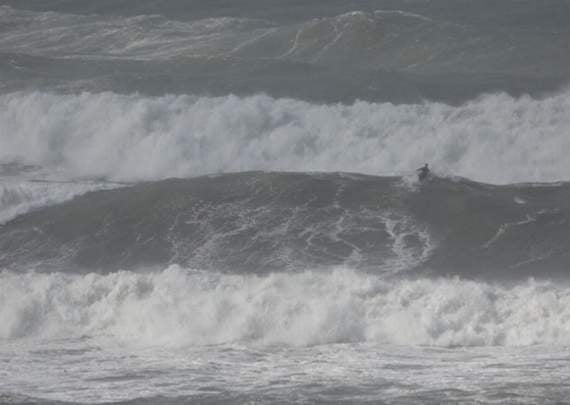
337, 373
208, 202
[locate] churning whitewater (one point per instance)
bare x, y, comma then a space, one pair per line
217, 203
182, 307
494, 138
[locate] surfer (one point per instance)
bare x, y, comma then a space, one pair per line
423, 172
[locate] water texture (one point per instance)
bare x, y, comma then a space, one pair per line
207, 202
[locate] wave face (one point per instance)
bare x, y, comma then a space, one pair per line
262, 222
182, 307
381, 51
496, 139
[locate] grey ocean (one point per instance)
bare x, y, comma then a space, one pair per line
215, 202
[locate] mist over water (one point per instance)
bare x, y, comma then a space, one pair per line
216, 202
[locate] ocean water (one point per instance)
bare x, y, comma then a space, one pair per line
216, 202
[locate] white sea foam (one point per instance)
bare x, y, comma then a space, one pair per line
496, 138
184, 307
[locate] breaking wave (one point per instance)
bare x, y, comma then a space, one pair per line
20, 197
496, 138
187, 307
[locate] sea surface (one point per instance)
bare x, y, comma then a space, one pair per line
215, 202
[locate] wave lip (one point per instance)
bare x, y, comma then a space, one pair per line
186, 307
20, 197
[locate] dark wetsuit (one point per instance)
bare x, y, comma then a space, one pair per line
423, 172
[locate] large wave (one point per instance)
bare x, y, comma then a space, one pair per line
257, 222
187, 307
496, 138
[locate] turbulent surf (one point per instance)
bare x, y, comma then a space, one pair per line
216, 202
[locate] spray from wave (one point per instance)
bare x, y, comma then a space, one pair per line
188, 307
496, 138
20, 197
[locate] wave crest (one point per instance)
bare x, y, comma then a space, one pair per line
496, 139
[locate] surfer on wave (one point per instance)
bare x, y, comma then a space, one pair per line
423, 172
